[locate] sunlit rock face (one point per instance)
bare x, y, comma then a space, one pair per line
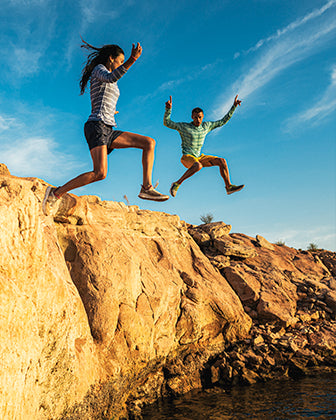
107, 307
97, 300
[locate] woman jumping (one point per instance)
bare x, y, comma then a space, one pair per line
104, 67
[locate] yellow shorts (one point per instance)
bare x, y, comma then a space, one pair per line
205, 160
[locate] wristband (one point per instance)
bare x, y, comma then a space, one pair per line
135, 59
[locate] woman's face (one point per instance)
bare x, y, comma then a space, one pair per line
116, 62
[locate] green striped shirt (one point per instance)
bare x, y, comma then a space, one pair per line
193, 137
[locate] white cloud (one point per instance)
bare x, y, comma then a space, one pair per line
36, 156
324, 106
322, 236
286, 49
26, 148
6, 123
291, 27
25, 62
28, 2
25, 37
170, 85
90, 12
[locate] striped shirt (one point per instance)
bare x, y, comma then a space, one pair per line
104, 93
193, 137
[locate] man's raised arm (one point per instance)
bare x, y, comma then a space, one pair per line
166, 119
226, 118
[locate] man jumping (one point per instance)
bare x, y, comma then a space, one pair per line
193, 136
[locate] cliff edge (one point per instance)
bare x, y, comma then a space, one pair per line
106, 307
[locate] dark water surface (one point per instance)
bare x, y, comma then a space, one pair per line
308, 398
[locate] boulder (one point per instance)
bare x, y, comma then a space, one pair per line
245, 282
233, 248
216, 229
4, 170
262, 242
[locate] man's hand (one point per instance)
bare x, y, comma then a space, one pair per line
169, 103
236, 101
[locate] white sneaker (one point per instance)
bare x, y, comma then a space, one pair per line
152, 194
49, 201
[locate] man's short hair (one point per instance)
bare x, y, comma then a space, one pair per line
197, 111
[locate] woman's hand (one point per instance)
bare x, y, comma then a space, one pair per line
135, 54
136, 51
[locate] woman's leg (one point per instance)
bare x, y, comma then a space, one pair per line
147, 145
99, 159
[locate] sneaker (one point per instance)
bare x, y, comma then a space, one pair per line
234, 188
49, 201
173, 189
152, 194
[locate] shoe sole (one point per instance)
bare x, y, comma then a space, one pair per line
238, 189
46, 195
150, 197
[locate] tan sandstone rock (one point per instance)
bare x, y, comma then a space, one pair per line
95, 302
234, 248
106, 307
264, 243
47, 354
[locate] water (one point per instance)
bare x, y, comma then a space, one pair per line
308, 398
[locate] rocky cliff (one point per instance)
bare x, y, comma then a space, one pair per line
106, 307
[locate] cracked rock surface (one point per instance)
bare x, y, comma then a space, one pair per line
96, 300
107, 307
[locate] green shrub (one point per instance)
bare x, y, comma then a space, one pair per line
207, 218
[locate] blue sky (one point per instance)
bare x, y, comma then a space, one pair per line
278, 55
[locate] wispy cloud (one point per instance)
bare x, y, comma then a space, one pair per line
25, 62
25, 41
322, 108
6, 123
27, 2
322, 236
89, 13
28, 151
286, 48
39, 157
172, 84
291, 27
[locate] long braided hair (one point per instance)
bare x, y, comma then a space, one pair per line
98, 56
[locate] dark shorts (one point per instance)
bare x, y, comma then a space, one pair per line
98, 133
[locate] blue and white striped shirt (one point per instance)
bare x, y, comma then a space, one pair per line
104, 93
193, 137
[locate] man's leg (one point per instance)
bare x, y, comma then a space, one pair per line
147, 145
197, 166
193, 165
208, 161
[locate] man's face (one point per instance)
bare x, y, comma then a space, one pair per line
197, 118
